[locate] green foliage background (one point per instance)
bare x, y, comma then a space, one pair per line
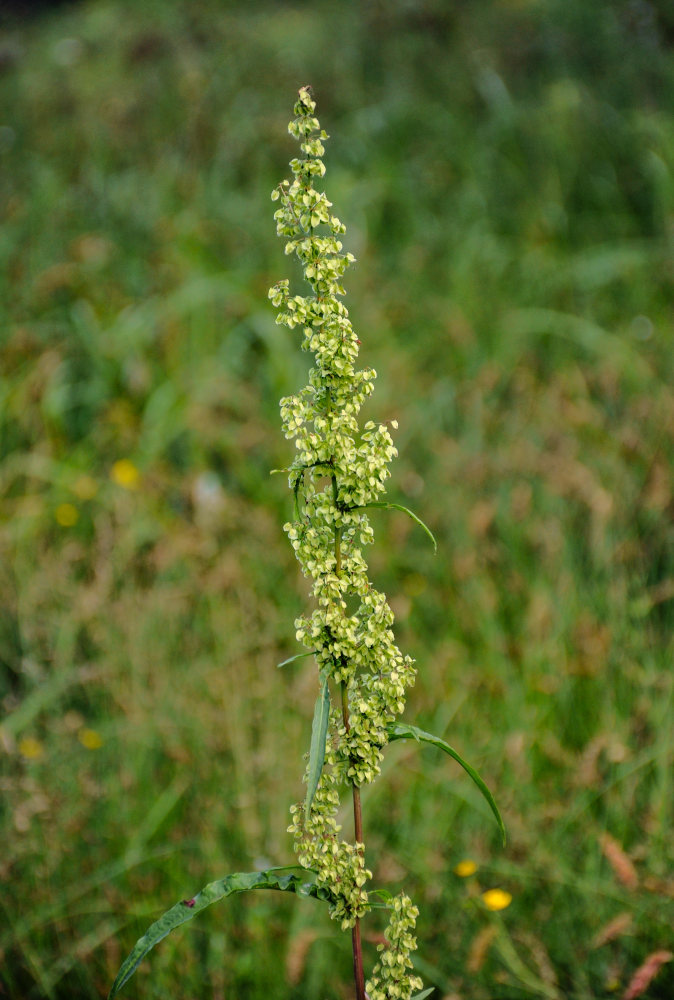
504, 169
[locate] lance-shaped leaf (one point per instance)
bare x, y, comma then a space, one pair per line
291, 659
424, 993
319, 732
401, 731
303, 884
405, 510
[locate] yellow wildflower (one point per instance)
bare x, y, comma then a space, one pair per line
90, 739
496, 899
465, 868
125, 474
30, 748
66, 515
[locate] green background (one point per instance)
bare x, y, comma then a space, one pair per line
504, 169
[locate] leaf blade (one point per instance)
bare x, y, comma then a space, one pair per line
291, 659
319, 733
301, 885
402, 731
387, 505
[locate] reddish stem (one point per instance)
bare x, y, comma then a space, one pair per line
358, 972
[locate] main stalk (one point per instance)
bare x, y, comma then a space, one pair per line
356, 943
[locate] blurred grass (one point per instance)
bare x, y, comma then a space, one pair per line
505, 173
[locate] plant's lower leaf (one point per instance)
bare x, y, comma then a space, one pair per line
401, 731
302, 885
319, 732
386, 505
424, 993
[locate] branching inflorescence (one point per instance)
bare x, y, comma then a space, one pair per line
339, 473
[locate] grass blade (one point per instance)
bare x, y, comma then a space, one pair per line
386, 505
41, 698
401, 731
319, 732
187, 909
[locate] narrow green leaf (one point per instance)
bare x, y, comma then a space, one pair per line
385, 504
424, 993
296, 495
382, 893
319, 732
291, 659
301, 885
401, 731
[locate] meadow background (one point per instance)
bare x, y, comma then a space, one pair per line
504, 169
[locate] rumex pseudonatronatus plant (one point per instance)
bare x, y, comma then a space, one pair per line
338, 474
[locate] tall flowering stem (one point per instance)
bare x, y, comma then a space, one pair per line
339, 471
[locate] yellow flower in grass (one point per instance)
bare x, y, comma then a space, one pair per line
496, 899
90, 739
66, 515
30, 748
465, 868
125, 474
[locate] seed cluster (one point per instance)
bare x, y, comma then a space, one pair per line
390, 977
338, 471
340, 866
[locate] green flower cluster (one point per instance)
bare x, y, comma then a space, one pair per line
391, 979
339, 471
339, 866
